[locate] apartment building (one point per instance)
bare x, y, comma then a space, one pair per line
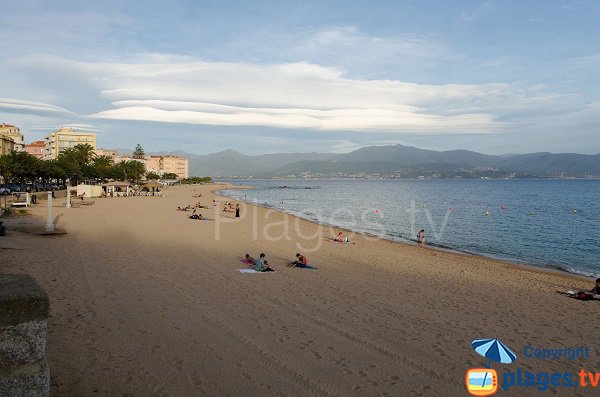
36, 149
176, 165
65, 138
7, 145
13, 133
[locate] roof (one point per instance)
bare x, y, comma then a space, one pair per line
153, 184
117, 184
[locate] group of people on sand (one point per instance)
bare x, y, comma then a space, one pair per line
261, 264
229, 207
195, 215
189, 207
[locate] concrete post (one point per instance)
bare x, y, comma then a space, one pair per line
49, 221
68, 195
23, 332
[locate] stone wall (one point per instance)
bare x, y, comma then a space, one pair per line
23, 329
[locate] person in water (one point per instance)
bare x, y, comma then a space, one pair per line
300, 261
421, 237
261, 265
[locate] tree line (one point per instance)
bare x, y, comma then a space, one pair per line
76, 163
79, 163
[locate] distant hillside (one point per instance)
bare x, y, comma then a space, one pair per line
393, 161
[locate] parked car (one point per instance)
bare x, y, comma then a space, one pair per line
14, 188
5, 191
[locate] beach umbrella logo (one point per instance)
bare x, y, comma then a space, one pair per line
494, 350
484, 381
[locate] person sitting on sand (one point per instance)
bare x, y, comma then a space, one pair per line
261, 265
339, 237
596, 289
197, 216
421, 237
249, 260
300, 261
179, 209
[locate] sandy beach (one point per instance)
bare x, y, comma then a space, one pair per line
146, 302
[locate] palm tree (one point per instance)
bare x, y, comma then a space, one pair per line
85, 152
102, 161
132, 170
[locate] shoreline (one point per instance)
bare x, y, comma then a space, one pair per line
145, 301
500, 261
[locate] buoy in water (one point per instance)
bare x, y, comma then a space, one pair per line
574, 210
376, 211
487, 213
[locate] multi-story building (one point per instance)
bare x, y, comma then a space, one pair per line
7, 145
36, 149
14, 133
176, 165
154, 164
65, 138
108, 153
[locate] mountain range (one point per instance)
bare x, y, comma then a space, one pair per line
393, 161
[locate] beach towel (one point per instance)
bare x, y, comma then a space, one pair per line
332, 240
303, 266
252, 271
580, 295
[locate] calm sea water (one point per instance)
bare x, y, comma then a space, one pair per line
548, 223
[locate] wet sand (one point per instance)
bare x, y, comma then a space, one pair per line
146, 302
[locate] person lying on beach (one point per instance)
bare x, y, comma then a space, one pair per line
261, 265
197, 216
249, 260
300, 261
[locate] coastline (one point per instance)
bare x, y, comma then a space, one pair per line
145, 301
501, 261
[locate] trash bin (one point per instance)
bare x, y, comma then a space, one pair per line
34, 199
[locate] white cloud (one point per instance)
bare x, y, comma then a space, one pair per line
9, 104
175, 89
345, 146
347, 43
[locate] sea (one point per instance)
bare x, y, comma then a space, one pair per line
549, 223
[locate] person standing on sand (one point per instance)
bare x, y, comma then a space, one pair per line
421, 237
237, 211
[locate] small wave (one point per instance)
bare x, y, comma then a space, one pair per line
572, 270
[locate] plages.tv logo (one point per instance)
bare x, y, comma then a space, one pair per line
484, 381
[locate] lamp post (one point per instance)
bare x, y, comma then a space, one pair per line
49, 222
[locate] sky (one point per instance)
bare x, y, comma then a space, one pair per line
496, 77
